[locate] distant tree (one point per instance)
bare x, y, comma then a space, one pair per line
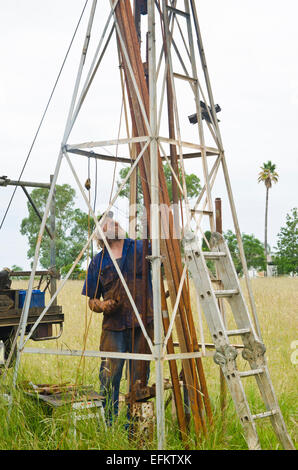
16, 268
71, 227
77, 273
268, 176
192, 184
286, 255
191, 180
253, 249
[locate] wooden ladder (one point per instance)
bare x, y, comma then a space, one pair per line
225, 355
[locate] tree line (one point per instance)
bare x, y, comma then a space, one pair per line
73, 226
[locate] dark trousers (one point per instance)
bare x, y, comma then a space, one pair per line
110, 373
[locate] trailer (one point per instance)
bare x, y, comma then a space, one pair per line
12, 300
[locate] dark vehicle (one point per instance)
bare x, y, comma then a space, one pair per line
12, 300
11, 303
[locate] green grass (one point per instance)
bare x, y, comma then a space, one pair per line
29, 424
33, 426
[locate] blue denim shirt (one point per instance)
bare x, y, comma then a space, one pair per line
103, 281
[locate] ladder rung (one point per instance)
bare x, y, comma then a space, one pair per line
243, 331
226, 293
184, 77
248, 373
264, 415
178, 12
214, 254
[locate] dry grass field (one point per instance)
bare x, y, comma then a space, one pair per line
276, 301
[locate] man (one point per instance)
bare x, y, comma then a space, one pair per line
120, 329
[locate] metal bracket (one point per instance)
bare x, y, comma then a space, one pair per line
48, 338
256, 350
225, 354
152, 258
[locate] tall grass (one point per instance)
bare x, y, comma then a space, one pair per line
32, 425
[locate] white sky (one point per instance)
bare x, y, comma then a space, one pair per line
251, 49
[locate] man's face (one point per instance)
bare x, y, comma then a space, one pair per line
111, 230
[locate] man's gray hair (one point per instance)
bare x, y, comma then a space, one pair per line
111, 229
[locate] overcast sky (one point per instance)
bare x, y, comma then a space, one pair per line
251, 49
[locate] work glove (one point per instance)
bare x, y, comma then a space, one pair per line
110, 306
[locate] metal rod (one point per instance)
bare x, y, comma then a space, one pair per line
28, 273
105, 143
49, 232
7, 182
85, 353
155, 228
173, 152
99, 156
128, 160
70, 121
174, 370
212, 150
113, 355
175, 310
53, 284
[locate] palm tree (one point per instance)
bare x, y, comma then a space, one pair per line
268, 175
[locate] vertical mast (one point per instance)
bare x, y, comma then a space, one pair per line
155, 227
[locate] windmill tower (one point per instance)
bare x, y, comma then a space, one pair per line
156, 77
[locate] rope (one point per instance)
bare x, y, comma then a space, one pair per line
43, 115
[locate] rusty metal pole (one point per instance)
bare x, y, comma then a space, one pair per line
223, 387
137, 17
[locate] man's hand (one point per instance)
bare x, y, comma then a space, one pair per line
110, 306
105, 306
95, 305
